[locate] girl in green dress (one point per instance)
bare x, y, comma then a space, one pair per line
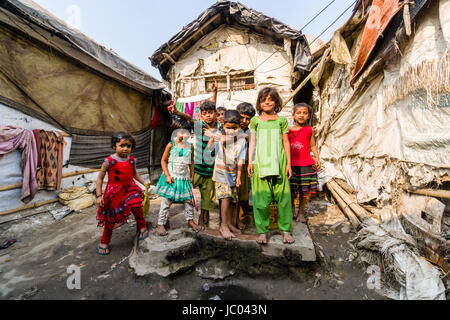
270, 165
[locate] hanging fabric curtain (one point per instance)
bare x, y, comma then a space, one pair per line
191, 105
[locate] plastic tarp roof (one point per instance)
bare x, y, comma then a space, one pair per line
34, 13
237, 13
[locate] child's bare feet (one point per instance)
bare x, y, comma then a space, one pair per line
226, 233
203, 218
160, 230
241, 225
287, 238
294, 213
234, 229
301, 218
262, 239
195, 226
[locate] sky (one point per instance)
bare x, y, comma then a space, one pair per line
135, 29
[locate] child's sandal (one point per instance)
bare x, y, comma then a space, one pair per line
106, 250
143, 234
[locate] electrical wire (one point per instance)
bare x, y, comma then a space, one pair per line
317, 15
334, 21
304, 27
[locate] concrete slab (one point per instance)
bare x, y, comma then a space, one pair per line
182, 248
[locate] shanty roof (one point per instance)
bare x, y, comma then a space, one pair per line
231, 13
24, 14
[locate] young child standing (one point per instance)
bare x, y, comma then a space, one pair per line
247, 112
304, 167
204, 156
231, 153
122, 195
270, 165
174, 184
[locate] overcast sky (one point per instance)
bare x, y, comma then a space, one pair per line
134, 29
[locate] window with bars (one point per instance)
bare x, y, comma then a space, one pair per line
235, 82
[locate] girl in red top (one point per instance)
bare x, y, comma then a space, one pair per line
304, 167
122, 195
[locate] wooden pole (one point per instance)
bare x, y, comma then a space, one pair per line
407, 18
430, 192
305, 81
190, 37
350, 215
65, 175
350, 201
29, 206
300, 86
11, 187
344, 185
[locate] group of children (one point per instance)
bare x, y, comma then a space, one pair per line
232, 148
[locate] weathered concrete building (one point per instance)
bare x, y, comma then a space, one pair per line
241, 48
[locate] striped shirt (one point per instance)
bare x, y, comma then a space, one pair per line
204, 156
227, 160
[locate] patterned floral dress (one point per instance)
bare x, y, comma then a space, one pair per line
178, 166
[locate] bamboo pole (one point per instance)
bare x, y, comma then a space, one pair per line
350, 201
79, 173
191, 37
65, 175
28, 206
350, 215
11, 187
407, 18
300, 86
430, 192
344, 185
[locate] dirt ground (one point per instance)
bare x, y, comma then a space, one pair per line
36, 266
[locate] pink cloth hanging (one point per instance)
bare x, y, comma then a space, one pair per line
14, 138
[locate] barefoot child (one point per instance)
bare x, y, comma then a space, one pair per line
204, 156
174, 184
231, 152
304, 167
122, 195
247, 112
270, 165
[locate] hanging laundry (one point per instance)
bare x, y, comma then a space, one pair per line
50, 172
191, 108
156, 121
14, 138
197, 113
179, 106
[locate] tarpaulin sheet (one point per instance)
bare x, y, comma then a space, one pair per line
396, 130
91, 151
34, 13
65, 94
240, 14
381, 13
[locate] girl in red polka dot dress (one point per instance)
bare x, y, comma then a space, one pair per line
122, 195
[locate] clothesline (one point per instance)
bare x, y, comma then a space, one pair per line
191, 108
